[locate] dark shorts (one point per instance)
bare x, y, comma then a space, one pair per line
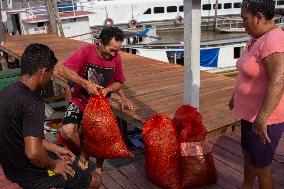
81, 179
73, 115
261, 155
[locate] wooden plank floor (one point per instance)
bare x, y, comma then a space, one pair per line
228, 160
154, 86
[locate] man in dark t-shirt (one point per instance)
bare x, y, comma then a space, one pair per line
26, 157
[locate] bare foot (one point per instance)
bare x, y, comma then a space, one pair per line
96, 180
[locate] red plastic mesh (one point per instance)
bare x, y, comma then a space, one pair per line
196, 169
161, 152
188, 122
102, 137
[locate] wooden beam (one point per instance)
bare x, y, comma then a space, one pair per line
51, 16
58, 18
1, 29
192, 30
216, 14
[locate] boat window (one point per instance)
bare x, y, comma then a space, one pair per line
280, 2
219, 6
40, 24
227, 5
148, 11
180, 8
206, 7
237, 5
158, 10
171, 9
237, 52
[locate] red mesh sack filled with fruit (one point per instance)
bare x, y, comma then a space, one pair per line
102, 137
161, 152
197, 163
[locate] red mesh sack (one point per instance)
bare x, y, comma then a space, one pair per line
161, 152
197, 163
102, 137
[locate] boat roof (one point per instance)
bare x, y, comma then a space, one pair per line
203, 44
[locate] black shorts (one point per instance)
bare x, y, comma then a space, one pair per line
81, 180
73, 115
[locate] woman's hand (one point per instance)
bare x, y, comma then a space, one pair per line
260, 128
231, 103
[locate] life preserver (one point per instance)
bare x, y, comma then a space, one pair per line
179, 20
108, 22
132, 23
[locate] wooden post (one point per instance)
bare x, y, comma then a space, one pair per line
216, 14
58, 18
51, 15
1, 29
192, 30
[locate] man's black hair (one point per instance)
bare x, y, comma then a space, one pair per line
265, 7
35, 57
108, 33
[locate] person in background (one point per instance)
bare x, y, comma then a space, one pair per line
258, 92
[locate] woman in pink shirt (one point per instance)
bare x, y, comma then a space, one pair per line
258, 93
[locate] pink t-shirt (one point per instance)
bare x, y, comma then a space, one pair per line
88, 64
253, 81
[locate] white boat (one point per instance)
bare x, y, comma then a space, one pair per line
215, 54
34, 20
125, 12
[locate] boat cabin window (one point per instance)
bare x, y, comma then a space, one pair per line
219, 6
180, 8
237, 5
40, 24
237, 52
148, 11
158, 10
280, 2
171, 9
227, 5
206, 7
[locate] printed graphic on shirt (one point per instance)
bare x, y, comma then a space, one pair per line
98, 74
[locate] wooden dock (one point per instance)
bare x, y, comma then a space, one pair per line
157, 87
154, 86
228, 160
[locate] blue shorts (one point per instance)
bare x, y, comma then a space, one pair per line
261, 155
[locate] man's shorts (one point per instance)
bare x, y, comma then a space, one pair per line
81, 180
261, 155
73, 115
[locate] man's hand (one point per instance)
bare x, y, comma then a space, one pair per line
127, 104
63, 167
92, 88
65, 154
105, 91
260, 128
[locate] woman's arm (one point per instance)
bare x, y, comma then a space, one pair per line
274, 66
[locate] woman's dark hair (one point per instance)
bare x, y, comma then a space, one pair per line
108, 33
265, 7
35, 57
